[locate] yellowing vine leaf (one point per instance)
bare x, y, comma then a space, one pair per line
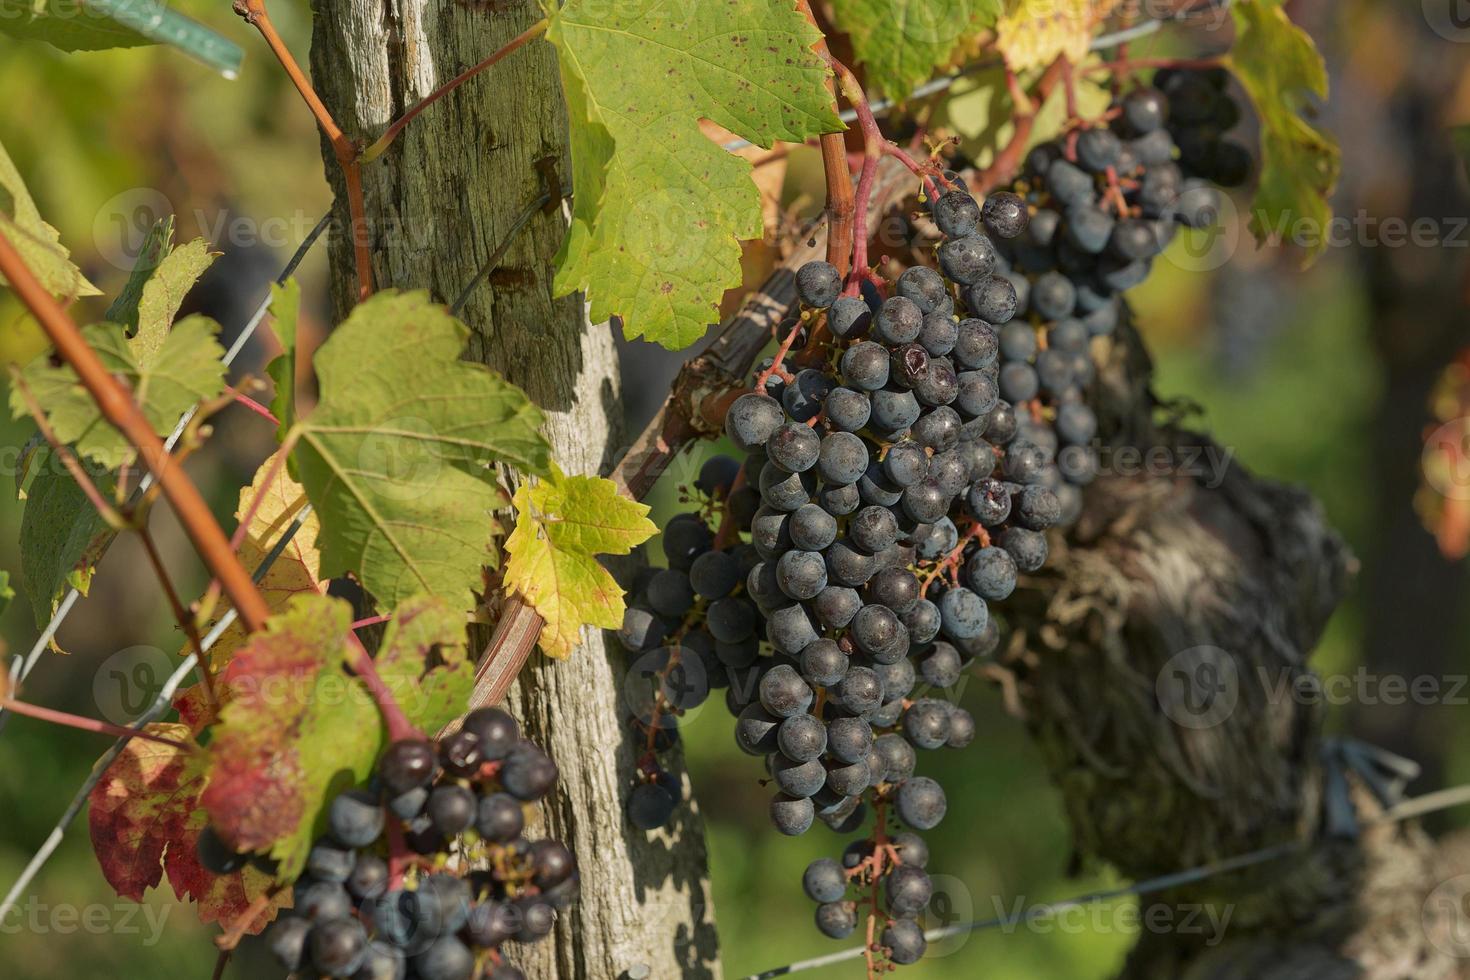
297, 728
660, 209
1281, 70
145, 820
397, 455
167, 379
562, 524
37, 242
1034, 33
903, 42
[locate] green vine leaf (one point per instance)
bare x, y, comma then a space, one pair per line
145, 820
167, 378
296, 728
660, 210
562, 524
62, 536
157, 244
903, 42
164, 293
285, 306
1281, 71
396, 456
37, 242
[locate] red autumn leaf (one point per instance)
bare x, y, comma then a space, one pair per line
145, 821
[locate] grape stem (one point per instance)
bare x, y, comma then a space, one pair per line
1008, 160
361, 662
253, 405
781, 352
951, 562
727, 519
840, 207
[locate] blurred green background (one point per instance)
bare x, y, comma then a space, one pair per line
1318, 377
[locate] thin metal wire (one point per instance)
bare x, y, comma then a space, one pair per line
159, 706
493, 262
1419, 806
43, 642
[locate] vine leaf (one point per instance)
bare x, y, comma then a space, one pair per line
145, 820
1281, 70
285, 305
62, 536
396, 456
903, 42
296, 571
660, 209
37, 242
161, 278
982, 112
167, 379
157, 244
562, 524
6, 591
296, 728
1034, 33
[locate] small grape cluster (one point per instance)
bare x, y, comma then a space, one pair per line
379, 899
1200, 113
898, 863
692, 631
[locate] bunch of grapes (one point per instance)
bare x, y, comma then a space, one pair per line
1200, 112
367, 911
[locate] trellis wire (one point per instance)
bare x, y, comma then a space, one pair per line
43, 642
1442, 799
155, 710
938, 85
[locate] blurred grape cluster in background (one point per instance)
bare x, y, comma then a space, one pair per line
1320, 378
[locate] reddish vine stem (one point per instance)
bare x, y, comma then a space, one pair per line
182, 616
372, 621
82, 723
254, 406
381, 144
108, 512
1008, 160
118, 407
343, 148
840, 208
361, 662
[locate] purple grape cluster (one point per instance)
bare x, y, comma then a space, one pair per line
352, 917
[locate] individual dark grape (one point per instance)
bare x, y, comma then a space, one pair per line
451, 808
926, 723
938, 540
670, 594
921, 803
905, 941
824, 881
992, 299
445, 959
783, 693
908, 367
751, 419
849, 317
715, 574
860, 691
717, 474
802, 737
942, 667
840, 501
836, 920
528, 773
792, 815
1038, 508
977, 394
865, 365
1098, 149
1004, 214
848, 779
966, 261
338, 946
924, 502
991, 573
962, 613
407, 806
650, 806
976, 345
950, 471
842, 458
789, 629
286, 940
786, 491
924, 287
1018, 382
898, 756
908, 890
905, 464
1069, 184
369, 878
849, 739
756, 730
811, 529
877, 632
641, 630
731, 619
818, 284
836, 605
899, 321
799, 780
848, 410
1025, 462
327, 861
1231, 164
770, 532
1197, 206
894, 411
459, 754
1145, 110
922, 621
961, 728
957, 214
407, 764
895, 588
1026, 547
801, 574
